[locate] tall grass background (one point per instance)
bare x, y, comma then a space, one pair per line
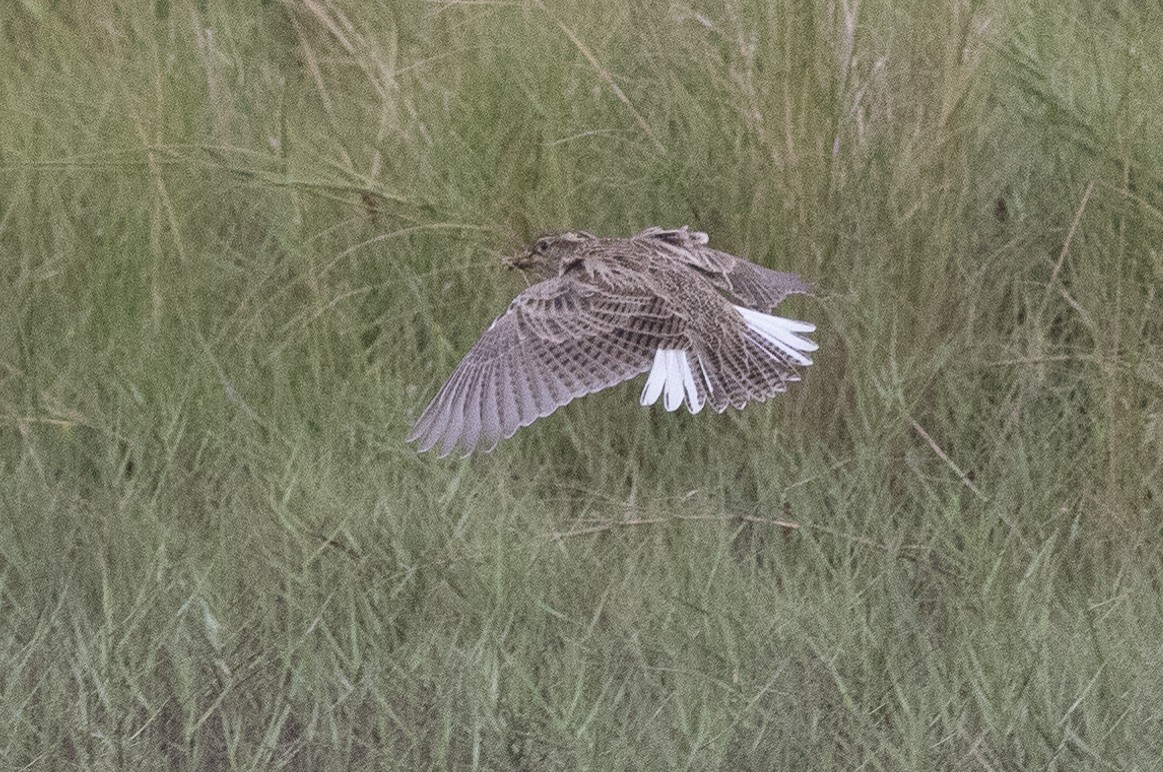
241, 245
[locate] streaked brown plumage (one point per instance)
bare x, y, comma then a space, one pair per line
608, 309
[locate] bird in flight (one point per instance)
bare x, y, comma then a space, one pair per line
605, 310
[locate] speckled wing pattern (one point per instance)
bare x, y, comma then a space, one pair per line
559, 340
661, 302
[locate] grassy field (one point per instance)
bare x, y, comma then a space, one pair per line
242, 244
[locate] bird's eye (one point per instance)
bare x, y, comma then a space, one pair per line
542, 246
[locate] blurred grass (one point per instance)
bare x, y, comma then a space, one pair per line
240, 246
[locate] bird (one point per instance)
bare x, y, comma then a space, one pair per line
602, 310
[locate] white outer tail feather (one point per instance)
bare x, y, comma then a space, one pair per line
781, 332
671, 373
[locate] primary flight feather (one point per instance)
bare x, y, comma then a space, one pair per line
609, 309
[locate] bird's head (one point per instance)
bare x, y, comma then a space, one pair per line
545, 255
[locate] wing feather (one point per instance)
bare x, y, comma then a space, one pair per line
559, 340
509, 398
490, 405
543, 397
470, 429
758, 287
439, 417
526, 400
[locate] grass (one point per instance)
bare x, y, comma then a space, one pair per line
241, 245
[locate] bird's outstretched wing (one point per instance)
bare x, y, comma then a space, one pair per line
753, 285
745, 282
560, 339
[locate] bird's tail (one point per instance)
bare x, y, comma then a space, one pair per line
756, 365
